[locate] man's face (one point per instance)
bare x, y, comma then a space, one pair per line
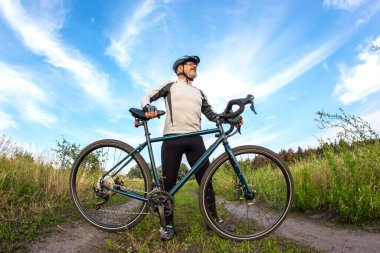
190, 69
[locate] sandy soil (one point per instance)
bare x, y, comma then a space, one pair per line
79, 236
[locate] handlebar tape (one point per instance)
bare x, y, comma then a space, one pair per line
227, 114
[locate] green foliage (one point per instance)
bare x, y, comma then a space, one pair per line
351, 128
135, 172
345, 183
66, 153
182, 171
32, 193
345, 179
191, 236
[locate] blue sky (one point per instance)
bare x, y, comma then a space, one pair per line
74, 68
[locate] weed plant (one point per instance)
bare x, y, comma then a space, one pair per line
191, 235
345, 183
32, 192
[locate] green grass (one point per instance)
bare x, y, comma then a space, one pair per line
345, 183
191, 235
34, 195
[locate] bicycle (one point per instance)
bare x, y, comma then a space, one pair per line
113, 187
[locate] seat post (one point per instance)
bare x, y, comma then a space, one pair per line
151, 156
146, 130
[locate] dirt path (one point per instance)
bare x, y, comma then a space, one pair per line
79, 236
328, 239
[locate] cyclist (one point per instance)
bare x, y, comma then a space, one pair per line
184, 104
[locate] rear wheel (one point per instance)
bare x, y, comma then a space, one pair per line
237, 216
93, 194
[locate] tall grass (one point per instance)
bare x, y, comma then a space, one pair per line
344, 182
31, 191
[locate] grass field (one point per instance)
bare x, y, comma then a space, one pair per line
343, 183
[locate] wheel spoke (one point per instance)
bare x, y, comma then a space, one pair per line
266, 175
92, 182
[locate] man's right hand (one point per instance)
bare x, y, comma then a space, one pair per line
150, 111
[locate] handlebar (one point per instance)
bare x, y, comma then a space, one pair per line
229, 114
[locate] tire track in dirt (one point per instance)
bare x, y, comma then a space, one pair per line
80, 236
77, 236
308, 231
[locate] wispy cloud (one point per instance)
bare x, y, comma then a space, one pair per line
373, 118
6, 121
295, 69
17, 92
360, 81
38, 30
344, 4
144, 23
220, 78
123, 40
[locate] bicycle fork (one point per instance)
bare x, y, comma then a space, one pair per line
248, 193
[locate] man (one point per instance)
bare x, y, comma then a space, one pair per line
184, 104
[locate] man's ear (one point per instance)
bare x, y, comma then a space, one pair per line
180, 69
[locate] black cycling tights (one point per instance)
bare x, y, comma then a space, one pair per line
171, 156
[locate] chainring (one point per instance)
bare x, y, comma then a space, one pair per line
159, 198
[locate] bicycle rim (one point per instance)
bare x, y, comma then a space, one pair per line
100, 205
238, 217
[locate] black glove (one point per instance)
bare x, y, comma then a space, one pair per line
234, 121
149, 108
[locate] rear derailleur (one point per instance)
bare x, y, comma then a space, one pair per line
103, 189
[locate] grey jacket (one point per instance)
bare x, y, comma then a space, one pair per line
184, 104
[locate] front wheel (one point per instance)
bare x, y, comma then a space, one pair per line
233, 214
96, 194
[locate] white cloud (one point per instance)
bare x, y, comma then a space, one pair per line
38, 29
222, 79
123, 40
6, 121
132, 140
373, 118
344, 4
26, 97
360, 81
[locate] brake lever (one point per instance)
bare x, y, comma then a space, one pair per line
238, 128
253, 107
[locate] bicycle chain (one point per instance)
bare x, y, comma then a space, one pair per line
128, 189
116, 212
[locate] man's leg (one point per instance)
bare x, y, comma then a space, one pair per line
196, 150
171, 156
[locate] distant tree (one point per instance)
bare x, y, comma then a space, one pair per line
182, 171
135, 172
66, 152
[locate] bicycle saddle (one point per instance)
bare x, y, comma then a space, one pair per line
140, 114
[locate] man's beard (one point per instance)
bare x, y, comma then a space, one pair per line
191, 74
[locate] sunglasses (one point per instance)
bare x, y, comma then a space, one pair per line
190, 63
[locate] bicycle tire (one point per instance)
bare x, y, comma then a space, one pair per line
119, 212
239, 218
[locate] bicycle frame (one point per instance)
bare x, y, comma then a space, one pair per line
221, 137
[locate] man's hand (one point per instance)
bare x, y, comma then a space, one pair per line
150, 111
239, 124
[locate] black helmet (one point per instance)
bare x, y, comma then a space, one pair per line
184, 59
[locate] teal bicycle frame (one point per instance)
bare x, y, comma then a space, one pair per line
221, 137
